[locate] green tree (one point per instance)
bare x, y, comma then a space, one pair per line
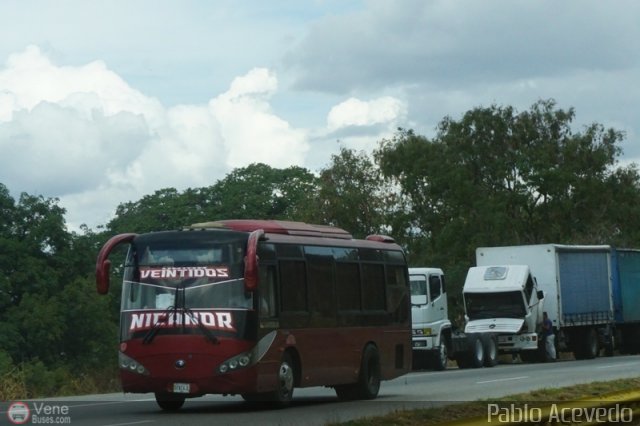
352, 194
163, 210
499, 177
259, 191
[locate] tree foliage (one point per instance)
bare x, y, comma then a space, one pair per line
499, 177
45, 275
351, 194
255, 191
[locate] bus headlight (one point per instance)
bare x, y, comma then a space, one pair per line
237, 362
127, 363
244, 360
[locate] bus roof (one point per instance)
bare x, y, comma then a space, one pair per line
276, 227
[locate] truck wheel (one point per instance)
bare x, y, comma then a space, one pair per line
610, 346
440, 358
490, 346
591, 344
586, 346
475, 355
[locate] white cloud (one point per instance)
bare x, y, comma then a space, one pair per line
84, 135
354, 112
348, 74
31, 78
251, 131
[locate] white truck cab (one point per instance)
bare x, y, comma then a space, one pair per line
429, 315
503, 300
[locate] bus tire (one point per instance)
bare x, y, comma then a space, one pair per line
283, 395
169, 402
490, 347
368, 384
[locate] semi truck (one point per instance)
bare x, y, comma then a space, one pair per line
430, 320
590, 293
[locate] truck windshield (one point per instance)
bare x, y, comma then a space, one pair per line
508, 304
208, 271
418, 285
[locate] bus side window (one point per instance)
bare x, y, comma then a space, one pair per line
267, 299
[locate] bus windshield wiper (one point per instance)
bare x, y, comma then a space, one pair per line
151, 334
173, 311
208, 334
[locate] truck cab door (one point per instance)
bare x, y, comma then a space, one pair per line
419, 298
437, 299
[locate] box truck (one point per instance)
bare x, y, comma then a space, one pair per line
507, 292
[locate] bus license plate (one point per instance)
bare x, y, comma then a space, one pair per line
181, 388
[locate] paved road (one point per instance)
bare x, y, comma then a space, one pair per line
318, 406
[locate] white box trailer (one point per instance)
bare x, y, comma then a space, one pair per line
577, 284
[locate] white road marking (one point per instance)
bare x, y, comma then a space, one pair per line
503, 380
602, 367
109, 402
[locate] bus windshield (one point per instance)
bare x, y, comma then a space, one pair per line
185, 272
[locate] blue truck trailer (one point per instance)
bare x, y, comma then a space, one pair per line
626, 299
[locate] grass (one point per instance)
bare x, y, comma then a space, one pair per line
465, 410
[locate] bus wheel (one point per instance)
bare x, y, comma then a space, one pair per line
368, 383
286, 379
252, 397
169, 402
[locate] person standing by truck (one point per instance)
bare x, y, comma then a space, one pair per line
549, 337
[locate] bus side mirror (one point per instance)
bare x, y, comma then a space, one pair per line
103, 264
540, 294
102, 277
251, 261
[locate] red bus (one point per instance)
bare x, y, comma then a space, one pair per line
257, 308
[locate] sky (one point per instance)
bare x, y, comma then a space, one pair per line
104, 102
